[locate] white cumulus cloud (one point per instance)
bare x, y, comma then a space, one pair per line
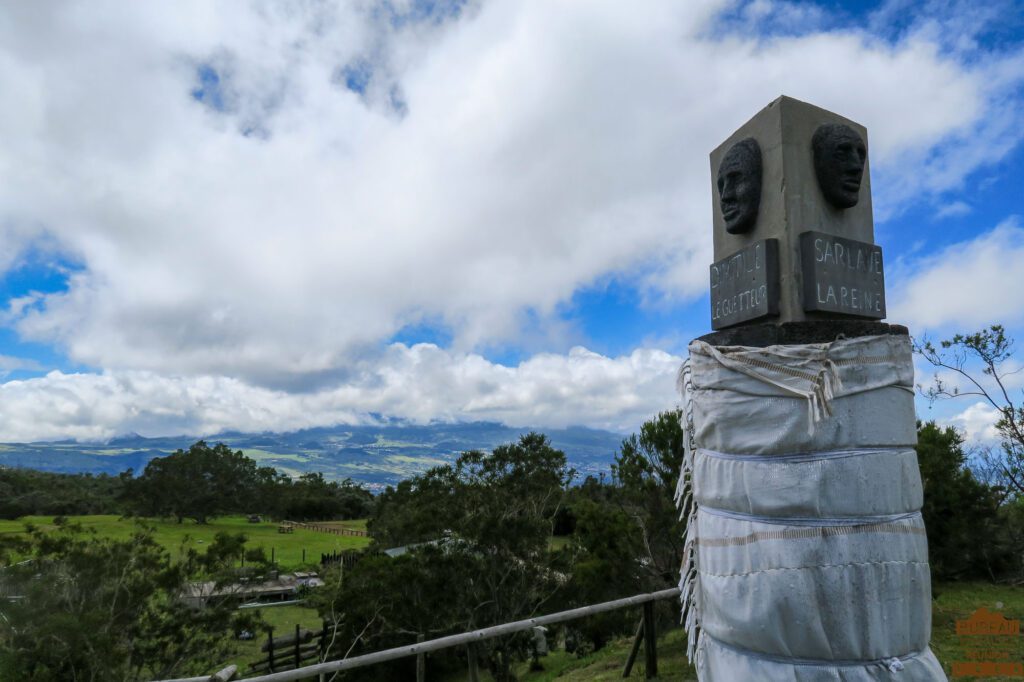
969, 284
978, 422
421, 383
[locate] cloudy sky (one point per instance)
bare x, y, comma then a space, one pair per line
258, 215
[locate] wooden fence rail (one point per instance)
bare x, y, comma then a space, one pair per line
295, 649
333, 530
470, 638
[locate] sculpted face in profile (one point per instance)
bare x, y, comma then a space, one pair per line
839, 156
739, 186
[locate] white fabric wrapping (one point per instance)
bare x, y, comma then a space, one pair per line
766, 400
847, 592
807, 555
723, 664
841, 483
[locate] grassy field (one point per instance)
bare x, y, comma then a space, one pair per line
604, 665
287, 547
283, 619
957, 601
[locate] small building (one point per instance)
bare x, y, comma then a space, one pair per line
308, 579
274, 589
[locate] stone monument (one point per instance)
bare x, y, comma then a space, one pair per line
805, 555
793, 228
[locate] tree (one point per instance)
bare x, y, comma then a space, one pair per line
477, 533
99, 609
989, 350
199, 483
631, 529
629, 537
961, 514
26, 492
313, 497
385, 602
647, 468
608, 559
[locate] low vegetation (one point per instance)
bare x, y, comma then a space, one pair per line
24, 492
87, 607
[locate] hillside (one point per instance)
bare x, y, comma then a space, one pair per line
377, 455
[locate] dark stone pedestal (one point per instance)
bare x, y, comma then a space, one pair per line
811, 331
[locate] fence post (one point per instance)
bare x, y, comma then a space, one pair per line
270, 649
298, 658
323, 642
324, 646
303, 555
628, 668
650, 641
421, 662
474, 668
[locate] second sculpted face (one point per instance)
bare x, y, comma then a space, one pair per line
739, 186
839, 157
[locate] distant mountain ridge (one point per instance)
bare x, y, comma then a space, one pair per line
378, 454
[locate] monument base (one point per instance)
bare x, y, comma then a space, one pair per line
805, 556
809, 331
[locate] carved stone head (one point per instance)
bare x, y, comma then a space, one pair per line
839, 157
739, 186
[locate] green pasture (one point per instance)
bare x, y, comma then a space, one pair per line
957, 601
287, 547
283, 620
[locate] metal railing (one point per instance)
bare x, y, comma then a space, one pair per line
646, 632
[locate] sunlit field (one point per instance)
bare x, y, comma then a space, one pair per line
287, 548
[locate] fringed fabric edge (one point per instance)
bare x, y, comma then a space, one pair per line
818, 389
685, 502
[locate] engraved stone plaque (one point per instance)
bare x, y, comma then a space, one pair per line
745, 285
842, 275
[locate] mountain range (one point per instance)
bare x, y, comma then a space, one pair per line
377, 454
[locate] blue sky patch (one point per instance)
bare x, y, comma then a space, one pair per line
356, 75
420, 11
614, 320
430, 331
37, 272
209, 89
